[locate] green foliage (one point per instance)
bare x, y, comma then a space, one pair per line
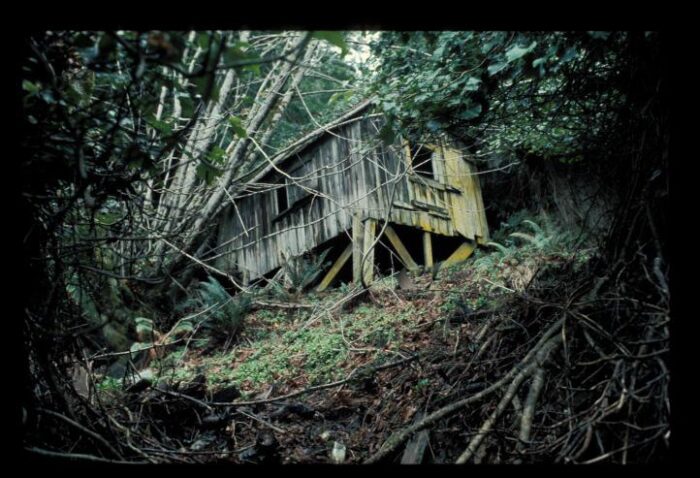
225, 314
301, 271
109, 384
144, 326
237, 126
545, 91
334, 38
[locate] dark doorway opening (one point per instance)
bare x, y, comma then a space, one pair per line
422, 157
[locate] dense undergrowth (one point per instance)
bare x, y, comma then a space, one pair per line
320, 343
523, 353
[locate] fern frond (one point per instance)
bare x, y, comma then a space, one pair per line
537, 229
498, 246
528, 237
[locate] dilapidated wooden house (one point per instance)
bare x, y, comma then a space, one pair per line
341, 187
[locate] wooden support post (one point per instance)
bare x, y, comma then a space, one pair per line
368, 251
428, 250
358, 236
335, 268
400, 249
460, 254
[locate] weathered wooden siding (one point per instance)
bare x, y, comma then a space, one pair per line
347, 171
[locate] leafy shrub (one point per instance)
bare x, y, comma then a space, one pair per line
224, 314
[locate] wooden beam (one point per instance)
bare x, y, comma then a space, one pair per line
358, 236
400, 249
335, 268
460, 254
428, 250
368, 251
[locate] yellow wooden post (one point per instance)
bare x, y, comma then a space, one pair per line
400, 248
368, 251
357, 248
335, 268
427, 250
460, 254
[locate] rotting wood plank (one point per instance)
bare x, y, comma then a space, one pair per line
400, 248
428, 250
462, 253
368, 251
357, 247
415, 449
335, 268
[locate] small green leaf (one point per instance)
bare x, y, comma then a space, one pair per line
216, 155
471, 113
202, 83
569, 55
235, 54
237, 125
207, 172
332, 37
162, 126
340, 95
387, 134
254, 68
30, 87
472, 84
433, 126
517, 51
496, 67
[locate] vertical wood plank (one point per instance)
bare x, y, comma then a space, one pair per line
357, 247
368, 250
428, 250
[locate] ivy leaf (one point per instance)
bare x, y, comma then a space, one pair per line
433, 126
539, 64
208, 173
106, 47
216, 155
471, 113
200, 87
254, 68
163, 127
496, 67
30, 87
332, 37
387, 134
202, 40
239, 52
472, 84
569, 55
517, 51
187, 105
538, 61
237, 125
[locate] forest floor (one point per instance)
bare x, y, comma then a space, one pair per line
331, 381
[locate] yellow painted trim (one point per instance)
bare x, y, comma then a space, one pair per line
461, 254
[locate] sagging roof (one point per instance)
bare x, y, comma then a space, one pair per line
306, 140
